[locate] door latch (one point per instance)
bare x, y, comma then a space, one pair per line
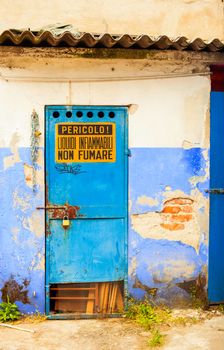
215, 191
50, 208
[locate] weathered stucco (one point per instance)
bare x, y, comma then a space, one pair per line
169, 162
191, 18
169, 237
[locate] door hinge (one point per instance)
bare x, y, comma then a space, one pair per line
215, 191
128, 152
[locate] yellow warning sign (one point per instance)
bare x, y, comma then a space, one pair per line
85, 142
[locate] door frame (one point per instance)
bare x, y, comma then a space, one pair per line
126, 219
215, 267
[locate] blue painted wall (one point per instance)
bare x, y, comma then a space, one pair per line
155, 264
158, 267
21, 249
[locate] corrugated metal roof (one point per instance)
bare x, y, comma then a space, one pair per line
68, 38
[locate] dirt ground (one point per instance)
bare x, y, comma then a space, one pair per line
109, 334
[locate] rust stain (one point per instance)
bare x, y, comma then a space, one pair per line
16, 291
59, 211
150, 291
196, 287
72, 211
47, 229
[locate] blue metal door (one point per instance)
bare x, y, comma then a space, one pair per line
86, 184
216, 239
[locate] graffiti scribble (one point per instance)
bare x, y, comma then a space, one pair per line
71, 169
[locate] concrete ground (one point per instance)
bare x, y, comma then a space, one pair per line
208, 335
109, 334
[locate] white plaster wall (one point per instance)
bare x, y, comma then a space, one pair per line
191, 18
169, 112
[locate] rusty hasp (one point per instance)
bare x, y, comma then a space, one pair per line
59, 211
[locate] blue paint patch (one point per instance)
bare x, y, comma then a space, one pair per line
192, 160
152, 169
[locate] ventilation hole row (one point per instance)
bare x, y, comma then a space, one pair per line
79, 114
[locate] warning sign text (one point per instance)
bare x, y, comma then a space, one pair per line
85, 142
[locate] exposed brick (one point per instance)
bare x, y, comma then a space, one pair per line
173, 227
186, 209
180, 201
181, 218
171, 210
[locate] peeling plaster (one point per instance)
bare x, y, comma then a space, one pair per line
22, 203
193, 232
41, 264
207, 128
36, 223
172, 270
28, 173
173, 255
133, 108
187, 144
40, 173
23, 253
144, 200
9, 161
132, 266
15, 231
196, 104
168, 188
148, 225
194, 180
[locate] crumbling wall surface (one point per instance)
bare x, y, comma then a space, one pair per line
169, 208
169, 228
22, 228
168, 172
190, 18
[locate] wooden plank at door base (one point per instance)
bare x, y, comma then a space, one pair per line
74, 298
105, 298
109, 297
97, 297
101, 296
114, 296
90, 302
119, 300
78, 288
